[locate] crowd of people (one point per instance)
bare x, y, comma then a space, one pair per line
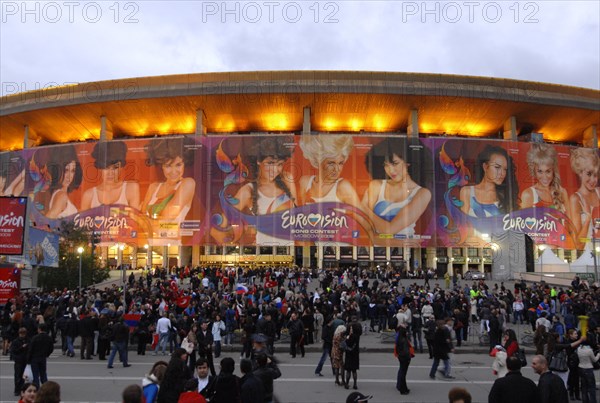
191, 320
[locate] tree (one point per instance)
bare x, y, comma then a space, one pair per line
67, 273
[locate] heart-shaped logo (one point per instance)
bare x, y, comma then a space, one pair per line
314, 219
98, 221
530, 223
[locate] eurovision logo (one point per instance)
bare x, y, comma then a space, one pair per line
530, 224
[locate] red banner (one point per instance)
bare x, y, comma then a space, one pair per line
10, 283
12, 225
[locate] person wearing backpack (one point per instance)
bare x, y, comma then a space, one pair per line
429, 331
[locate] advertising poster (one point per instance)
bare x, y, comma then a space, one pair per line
12, 224
295, 190
321, 189
10, 283
41, 248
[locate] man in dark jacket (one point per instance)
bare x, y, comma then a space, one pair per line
442, 346
267, 372
119, 343
18, 353
251, 386
551, 387
514, 387
39, 350
205, 341
86, 328
327, 336
296, 331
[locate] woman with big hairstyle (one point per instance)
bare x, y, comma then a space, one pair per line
585, 202
109, 159
496, 192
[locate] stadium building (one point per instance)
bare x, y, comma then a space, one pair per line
310, 168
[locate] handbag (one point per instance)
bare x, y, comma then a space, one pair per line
520, 354
187, 345
411, 349
28, 374
558, 362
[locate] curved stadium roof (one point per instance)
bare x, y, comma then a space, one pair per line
273, 101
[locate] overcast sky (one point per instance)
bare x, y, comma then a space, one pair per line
82, 41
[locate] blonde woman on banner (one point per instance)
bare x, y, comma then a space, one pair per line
585, 202
542, 161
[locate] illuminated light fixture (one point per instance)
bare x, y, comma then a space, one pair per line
355, 125
378, 123
330, 125
277, 121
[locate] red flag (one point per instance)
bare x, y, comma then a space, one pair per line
270, 283
183, 301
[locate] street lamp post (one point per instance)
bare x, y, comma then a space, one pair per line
121, 248
541, 248
80, 251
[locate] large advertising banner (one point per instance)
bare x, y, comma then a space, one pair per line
337, 189
485, 188
12, 225
10, 283
126, 191
322, 189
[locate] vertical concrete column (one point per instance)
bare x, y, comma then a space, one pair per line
166, 258
25, 136
119, 256
510, 129
306, 128
200, 123
134, 255
195, 255
149, 256
590, 137
319, 257
413, 123
306, 256
450, 263
106, 129
431, 255
104, 256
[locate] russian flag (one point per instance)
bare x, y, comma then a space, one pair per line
241, 289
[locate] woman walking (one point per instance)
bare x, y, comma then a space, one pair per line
402, 351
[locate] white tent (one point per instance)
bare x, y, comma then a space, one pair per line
548, 262
585, 262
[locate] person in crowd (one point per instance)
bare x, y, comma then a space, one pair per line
573, 383
514, 387
267, 372
192, 339
176, 374
252, 388
105, 332
27, 392
151, 382
509, 342
204, 379
352, 354
327, 154
38, 351
442, 347
49, 392
357, 397
499, 365
327, 336
226, 388
170, 200
86, 328
163, 329
396, 194
110, 159
132, 394
550, 386
204, 338
585, 202
402, 348
459, 395
587, 358
190, 393
337, 354
66, 174
120, 341
496, 191
542, 161
296, 332
18, 353
217, 328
